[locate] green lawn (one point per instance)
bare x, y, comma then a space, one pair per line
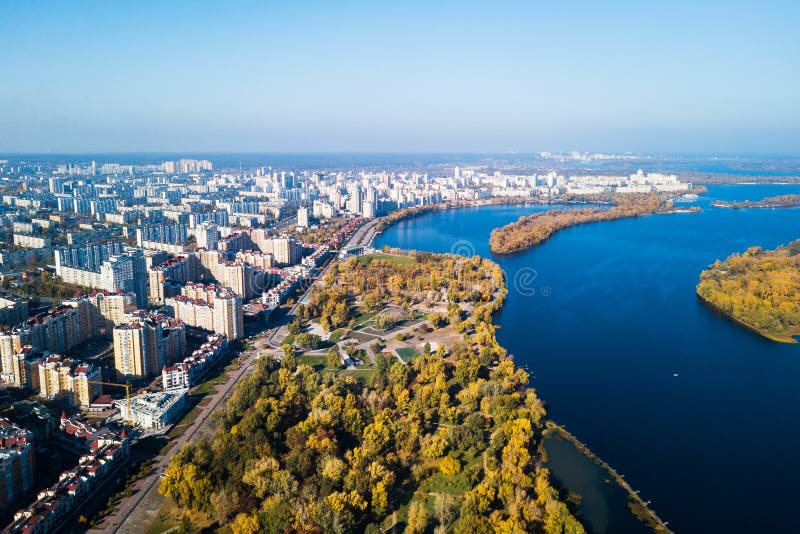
392, 258
363, 317
336, 335
361, 336
365, 374
441, 483
407, 353
317, 362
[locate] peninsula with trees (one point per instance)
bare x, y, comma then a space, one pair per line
759, 289
436, 431
529, 231
780, 201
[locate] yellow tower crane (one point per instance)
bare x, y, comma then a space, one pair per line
126, 385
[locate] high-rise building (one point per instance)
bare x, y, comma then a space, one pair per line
146, 342
122, 271
65, 379
57, 331
217, 309
13, 309
302, 217
56, 184
207, 235
21, 370
354, 202
286, 250
180, 269
86, 257
100, 311
260, 260
16, 464
170, 238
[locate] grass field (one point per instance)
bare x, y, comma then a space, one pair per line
407, 353
336, 335
366, 375
392, 258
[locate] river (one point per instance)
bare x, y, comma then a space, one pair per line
700, 415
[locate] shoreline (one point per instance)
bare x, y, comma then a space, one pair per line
637, 506
644, 512
413, 212
788, 339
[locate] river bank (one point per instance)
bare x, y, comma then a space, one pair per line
638, 507
670, 403
626, 515
788, 339
781, 201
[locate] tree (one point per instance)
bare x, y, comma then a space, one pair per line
289, 360
450, 466
186, 526
444, 508
308, 341
246, 524
301, 449
296, 326
334, 358
417, 518
224, 505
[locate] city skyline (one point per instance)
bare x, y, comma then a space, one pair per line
412, 78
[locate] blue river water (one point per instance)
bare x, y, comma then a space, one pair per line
700, 415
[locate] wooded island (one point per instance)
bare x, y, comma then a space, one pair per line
759, 289
531, 230
780, 201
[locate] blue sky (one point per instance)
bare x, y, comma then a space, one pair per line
400, 76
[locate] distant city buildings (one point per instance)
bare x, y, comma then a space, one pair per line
111, 268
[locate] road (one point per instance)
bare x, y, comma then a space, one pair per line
362, 237
141, 508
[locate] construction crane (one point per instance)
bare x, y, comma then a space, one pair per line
126, 385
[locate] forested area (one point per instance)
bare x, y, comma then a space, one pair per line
780, 201
403, 214
759, 288
531, 230
445, 443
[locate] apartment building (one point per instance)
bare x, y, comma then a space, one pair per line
146, 342
69, 380
16, 464
210, 307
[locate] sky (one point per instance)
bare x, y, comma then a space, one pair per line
301, 76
